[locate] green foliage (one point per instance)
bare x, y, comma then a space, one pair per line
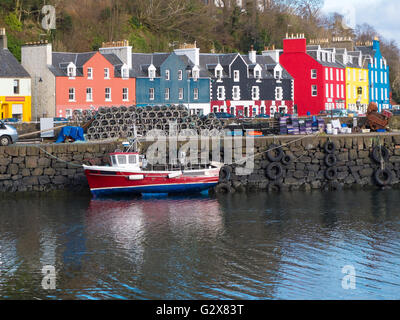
12, 22
14, 45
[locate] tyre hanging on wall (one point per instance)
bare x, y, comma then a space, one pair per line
274, 171
330, 147
331, 173
275, 186
330, 160
275, 153
383, 177
287, 160
380, 153
225, 174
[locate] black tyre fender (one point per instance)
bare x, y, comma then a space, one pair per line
330, 147
275, 153
287, 160
274, 171
223, 188
330, 160
331, 173
225, 174
379, 153
383, 177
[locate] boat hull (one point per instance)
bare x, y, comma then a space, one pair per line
105, 183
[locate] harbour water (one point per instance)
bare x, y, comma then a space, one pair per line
261, 246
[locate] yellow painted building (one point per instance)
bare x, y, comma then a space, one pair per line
357, 89
15, 85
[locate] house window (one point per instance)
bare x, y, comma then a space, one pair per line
327, 90
236, 76
151, 93
167, 75
257, 74
218, 73
106, 73
71, 72
221, 93
232, 110
360, 91
89, 94
180, 75
331, 74
90, 73
108, 94
16, 86
236, 93
313, 74
255, 93
196, 94
327, 74
68, 113
337, 75
342, 75
71, 94
166, 93
332, 94
337, 91
278, 93
314, 91
278, 74
342, 90
125, 73
195, 74
125, 94
152, 73
180, 93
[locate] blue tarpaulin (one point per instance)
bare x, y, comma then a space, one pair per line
75, 133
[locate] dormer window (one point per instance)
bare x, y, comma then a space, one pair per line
257, 72
152, 72
125, 72
195, 73
71, 70
278, 73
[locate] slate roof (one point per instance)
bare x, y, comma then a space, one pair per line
61, 60
142, 61
10, 67
336, 64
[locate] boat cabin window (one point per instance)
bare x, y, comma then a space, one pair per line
132, 159
121, 160
114, 160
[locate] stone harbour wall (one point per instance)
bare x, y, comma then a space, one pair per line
25, 168
307, 165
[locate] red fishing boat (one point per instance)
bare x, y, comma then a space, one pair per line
129, 173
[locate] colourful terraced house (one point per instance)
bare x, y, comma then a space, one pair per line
379, 84
172, 79
357, 79
15, 85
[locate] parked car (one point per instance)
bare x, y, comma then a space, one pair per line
60, 120
11, 120
263, 116
8, 134
396, 112
225, 115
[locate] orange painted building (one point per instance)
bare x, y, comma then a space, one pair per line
91, 80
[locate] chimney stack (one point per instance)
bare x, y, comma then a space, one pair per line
3, 39
253, 55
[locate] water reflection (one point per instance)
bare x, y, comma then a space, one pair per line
260, 246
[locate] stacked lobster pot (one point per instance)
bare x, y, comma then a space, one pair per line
120, 122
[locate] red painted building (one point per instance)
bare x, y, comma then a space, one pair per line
319, 80
91, 80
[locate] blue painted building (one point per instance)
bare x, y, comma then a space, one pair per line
378, 75
172, 79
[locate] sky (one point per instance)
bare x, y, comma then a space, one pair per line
383, 15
